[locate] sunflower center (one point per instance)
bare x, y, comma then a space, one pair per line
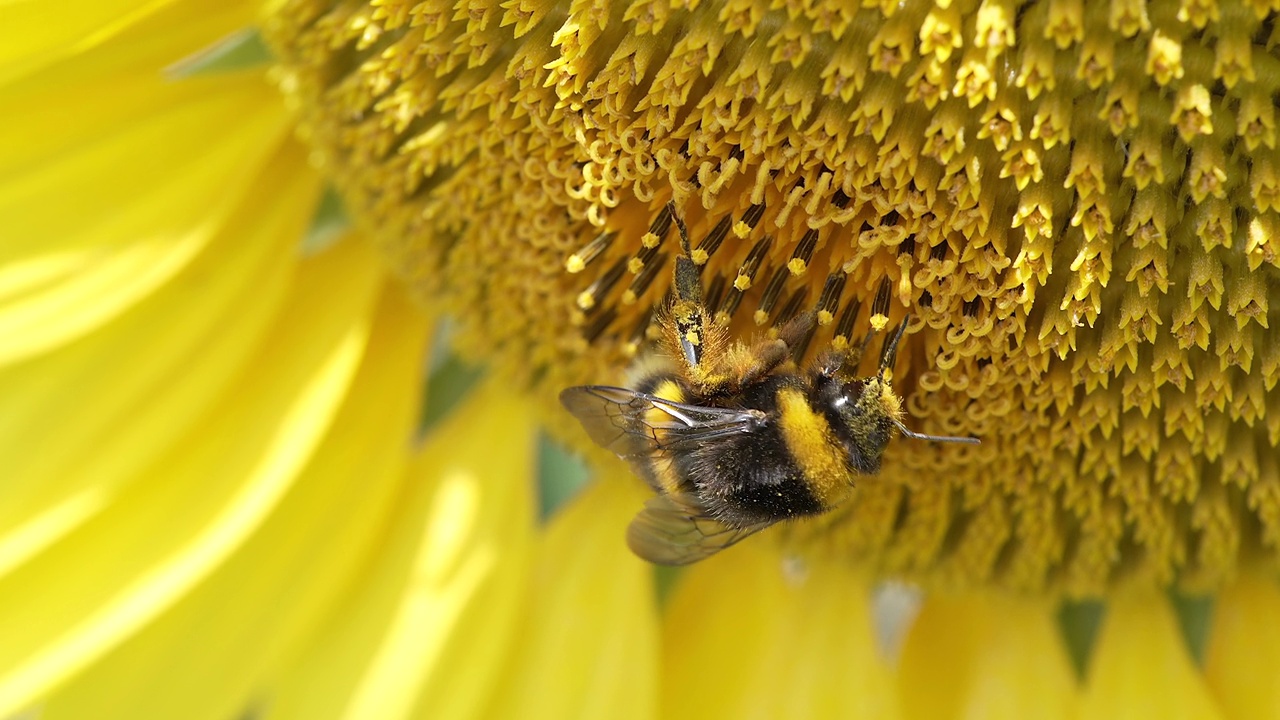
1077, 201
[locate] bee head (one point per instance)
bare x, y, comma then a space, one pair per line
863, 413
867, 411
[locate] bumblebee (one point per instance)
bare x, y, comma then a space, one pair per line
736, 437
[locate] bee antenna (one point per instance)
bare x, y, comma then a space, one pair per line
936, 438
890, 353
680, 226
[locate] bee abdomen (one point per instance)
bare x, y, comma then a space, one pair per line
752, 479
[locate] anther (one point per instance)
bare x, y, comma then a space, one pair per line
804, 253
751, 266
844, 328
579, 261
589, 299
830, 297
726, 311
641, 282
642, 259
749, 220
880, 305
772, 292
712, 241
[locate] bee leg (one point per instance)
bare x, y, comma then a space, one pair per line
798, 332
687, 311
769, 354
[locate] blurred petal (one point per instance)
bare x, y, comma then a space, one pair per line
214, 646
91, 232
31, 39
154, 539
424, 629
746, 637
140, 218
1242, 661
67, 434
588, 644
1140, 666
986, 655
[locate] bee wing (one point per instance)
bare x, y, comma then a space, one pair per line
620, 420
674, 529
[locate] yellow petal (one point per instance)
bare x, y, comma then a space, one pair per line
426, 626
93, 229
1242, 660
224, 641
80, 421
986, 655
162, 533
1140, 666
587, 646
749, 635
35, 35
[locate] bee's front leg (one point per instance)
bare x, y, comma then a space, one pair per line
689, 316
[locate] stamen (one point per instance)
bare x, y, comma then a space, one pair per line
880, 306
844, 328
714, 292
579, 261
712, 241
772, 292
830, 297
803, 253
750, 266
749, 220
641, 282
589, 299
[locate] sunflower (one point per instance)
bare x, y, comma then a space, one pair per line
240, 241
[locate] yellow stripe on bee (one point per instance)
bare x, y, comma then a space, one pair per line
662, 466
814, 448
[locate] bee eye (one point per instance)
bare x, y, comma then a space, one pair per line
853, 389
